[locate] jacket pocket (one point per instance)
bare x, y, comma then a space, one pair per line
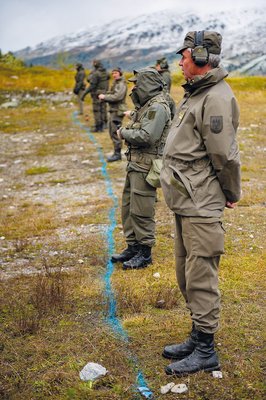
207, 236
181, 183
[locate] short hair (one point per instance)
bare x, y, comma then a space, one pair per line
214, 60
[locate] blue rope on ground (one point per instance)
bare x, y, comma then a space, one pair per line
112, 319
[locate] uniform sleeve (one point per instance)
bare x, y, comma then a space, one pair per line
119, 94
220, 122
151, 129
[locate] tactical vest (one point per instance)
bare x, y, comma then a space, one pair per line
158, 146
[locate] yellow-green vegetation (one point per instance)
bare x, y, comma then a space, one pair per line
34, 78
38, 170
54, 218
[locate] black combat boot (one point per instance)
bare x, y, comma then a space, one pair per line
126, 255
141, 260
100, 127
182, 350
97, 128
203, 358
114, 157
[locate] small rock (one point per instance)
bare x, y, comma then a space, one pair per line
180, 388
160, 303
92, 371
156, 275
165, 389
81, 261
2, 238
10, 104
217, 374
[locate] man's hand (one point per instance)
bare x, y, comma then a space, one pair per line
228, 204
127, 113
101, 96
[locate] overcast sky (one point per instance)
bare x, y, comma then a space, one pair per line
29, 22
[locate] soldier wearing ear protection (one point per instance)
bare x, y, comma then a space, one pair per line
116, 99
199, 178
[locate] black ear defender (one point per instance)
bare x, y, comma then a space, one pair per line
199, 54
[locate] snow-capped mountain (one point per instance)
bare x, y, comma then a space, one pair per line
139, 41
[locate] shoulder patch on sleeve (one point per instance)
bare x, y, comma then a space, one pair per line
216, 124
151, 114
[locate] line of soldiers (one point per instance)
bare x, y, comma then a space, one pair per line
200, 176
98, 88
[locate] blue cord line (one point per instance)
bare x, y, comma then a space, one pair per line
112, 319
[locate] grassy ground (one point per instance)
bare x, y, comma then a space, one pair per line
54, 214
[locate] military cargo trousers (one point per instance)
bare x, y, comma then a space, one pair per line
199, 242
138, 209
115, 122
99, 111
80, 102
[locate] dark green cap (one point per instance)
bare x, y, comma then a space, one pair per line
211, 40
118, 69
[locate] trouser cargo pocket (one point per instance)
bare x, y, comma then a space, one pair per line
206, 236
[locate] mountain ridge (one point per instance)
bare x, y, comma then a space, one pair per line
139, 41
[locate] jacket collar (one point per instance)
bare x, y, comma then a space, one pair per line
201, 82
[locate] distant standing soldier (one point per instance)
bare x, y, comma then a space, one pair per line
145, 137
116, 98
98, 83
163, 69
80, 85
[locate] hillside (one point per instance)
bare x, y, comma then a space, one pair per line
61, 303
141, 40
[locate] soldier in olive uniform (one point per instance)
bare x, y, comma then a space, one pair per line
79, 85
199, 178
98, 83
145, 137
116, 99
163, 69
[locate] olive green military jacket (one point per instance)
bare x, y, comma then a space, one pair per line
116, 95
99, 81
201, 164
147, 133
79, 81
